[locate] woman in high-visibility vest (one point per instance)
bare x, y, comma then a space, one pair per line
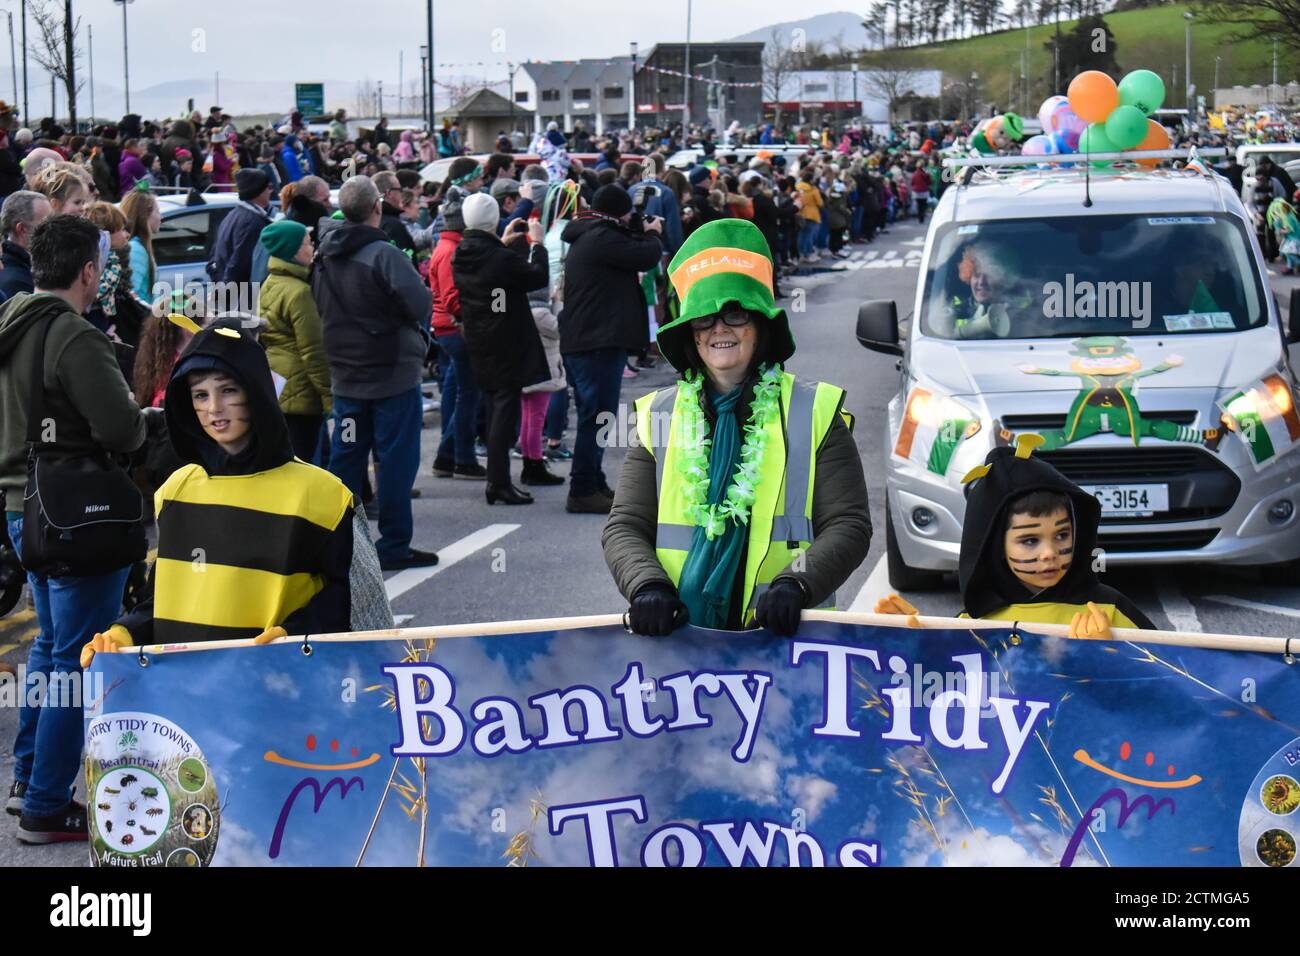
743, 501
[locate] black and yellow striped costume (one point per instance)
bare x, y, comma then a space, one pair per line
245, 542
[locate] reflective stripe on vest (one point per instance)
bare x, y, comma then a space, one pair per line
783, 534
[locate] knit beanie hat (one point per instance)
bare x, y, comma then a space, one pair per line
251, 183
480, 211
283, 239
699, 174
612, 200
452, 220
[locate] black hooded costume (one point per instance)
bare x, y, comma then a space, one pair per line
990, 589
271, 535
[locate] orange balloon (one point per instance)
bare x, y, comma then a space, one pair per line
1093, 95
1157, 137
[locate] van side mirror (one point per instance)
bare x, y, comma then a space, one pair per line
1293, 318
878, 326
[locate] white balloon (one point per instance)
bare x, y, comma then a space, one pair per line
1045, 111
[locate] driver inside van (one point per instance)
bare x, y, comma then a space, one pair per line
992, 274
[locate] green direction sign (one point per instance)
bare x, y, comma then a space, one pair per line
309, 98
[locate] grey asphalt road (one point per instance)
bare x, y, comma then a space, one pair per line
509, 563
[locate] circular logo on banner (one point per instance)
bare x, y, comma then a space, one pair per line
1270, 821
153, 801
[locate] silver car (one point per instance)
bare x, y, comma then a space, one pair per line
1126, 320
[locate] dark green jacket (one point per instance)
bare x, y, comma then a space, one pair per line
841, 521
87, 400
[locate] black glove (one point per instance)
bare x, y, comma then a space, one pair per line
155, 424
656, 611
779, 607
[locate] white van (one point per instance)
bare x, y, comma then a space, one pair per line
1127, 320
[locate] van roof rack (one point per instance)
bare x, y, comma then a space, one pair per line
993, 164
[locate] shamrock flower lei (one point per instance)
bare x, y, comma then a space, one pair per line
693, 463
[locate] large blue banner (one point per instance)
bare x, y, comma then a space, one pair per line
848, 745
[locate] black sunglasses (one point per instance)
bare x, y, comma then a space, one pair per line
735, 319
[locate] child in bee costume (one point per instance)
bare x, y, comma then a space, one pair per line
252, 542
1027, 547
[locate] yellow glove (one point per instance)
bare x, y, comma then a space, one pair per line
106, 643
270, 634
898, 605
1092, 624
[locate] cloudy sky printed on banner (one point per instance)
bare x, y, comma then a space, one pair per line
924, 804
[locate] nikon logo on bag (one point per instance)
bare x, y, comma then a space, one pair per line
92, 509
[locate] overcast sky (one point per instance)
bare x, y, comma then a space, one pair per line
343, 39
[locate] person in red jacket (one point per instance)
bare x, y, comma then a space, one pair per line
460, 394
921, 190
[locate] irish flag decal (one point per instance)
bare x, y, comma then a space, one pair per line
1264, 416
933, 426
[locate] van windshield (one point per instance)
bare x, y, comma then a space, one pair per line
1094, 275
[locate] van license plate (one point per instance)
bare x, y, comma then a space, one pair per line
1130, 501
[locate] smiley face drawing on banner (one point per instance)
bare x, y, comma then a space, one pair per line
153, 799
1269, 827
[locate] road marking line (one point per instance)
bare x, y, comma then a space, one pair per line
1253, 605
454, 553
1179, 610
875, 587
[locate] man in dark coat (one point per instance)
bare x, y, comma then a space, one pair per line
232, 253
605, 317
375, 317
493, 279
21, 213
390, 192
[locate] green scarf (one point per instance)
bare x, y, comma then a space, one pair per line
710, 568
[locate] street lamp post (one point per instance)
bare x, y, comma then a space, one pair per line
1187, 61
25, 61
13, 60
433, 103
1216, 76
631, 92
513, 68
686, 80
126, 56
90, 49
424, 86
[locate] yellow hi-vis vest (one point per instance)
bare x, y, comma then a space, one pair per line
780, 522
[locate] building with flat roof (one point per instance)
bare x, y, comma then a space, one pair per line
593, 91
661, 87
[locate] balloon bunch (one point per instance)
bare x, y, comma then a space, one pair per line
998, 133
1100, 116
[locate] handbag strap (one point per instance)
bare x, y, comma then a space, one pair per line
36, 390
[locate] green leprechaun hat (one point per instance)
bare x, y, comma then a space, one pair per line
723, 261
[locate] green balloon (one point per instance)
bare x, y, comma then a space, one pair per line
1142, 89
1095, 140
1126, 126
1013, 126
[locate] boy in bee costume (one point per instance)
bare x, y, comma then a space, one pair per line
1108, 371
252, 542
1026, 549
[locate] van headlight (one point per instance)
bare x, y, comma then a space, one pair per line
1263, 415
933, 426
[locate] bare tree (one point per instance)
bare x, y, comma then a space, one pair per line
891, 79
1259, 19
780, 62
55, 47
